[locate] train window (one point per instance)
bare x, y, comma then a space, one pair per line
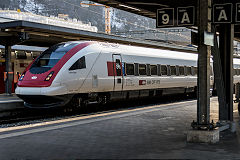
173, 70
21, 55
129, 69
159, 69
142, 69
188, 71
2, 55
177, 70
148, 70
238, 71
124, 68
153, 69
164, 70
234, 72
50, 57
35, 54
195, 70
181, 71
136, 68
79, 64
118, 67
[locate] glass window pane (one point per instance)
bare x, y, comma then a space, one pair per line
188, 72
153, 69
142, 69
163, 69
79, 64
136, 66
129, 69
173, 70
50, 57
118, 67
195, 70
181, 70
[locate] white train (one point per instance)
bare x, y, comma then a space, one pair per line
85, 71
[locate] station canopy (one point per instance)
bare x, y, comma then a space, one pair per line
148, 8
44, 35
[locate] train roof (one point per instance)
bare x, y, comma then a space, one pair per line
148, 52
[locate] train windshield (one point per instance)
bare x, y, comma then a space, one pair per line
50, 57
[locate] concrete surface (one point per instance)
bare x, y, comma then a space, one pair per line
10, 102
200, 136
152, 132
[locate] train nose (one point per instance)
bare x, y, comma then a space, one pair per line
36, 80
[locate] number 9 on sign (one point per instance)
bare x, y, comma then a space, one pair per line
165, 19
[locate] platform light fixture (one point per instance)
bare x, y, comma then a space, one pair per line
122, 5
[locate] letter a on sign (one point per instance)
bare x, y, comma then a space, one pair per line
222, 13
185, 18
222, 16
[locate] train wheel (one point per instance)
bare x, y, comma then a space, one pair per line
76, 103
102, 100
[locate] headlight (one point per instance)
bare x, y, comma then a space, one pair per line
21, 77
49, 76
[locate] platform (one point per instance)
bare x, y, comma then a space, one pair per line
149, 132
10, 102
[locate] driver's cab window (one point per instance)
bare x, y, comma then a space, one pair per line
79, 64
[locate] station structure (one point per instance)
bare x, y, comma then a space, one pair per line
211, 18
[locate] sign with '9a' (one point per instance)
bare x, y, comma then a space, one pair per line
176, 17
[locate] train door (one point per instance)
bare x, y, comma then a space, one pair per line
118, 76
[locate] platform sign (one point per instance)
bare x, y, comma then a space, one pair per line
237, 12
222, 13
165, 17
209, 38
185, 16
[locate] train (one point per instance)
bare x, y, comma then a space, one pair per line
20, 59
82, 72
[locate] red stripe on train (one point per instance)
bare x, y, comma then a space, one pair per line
112, 71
